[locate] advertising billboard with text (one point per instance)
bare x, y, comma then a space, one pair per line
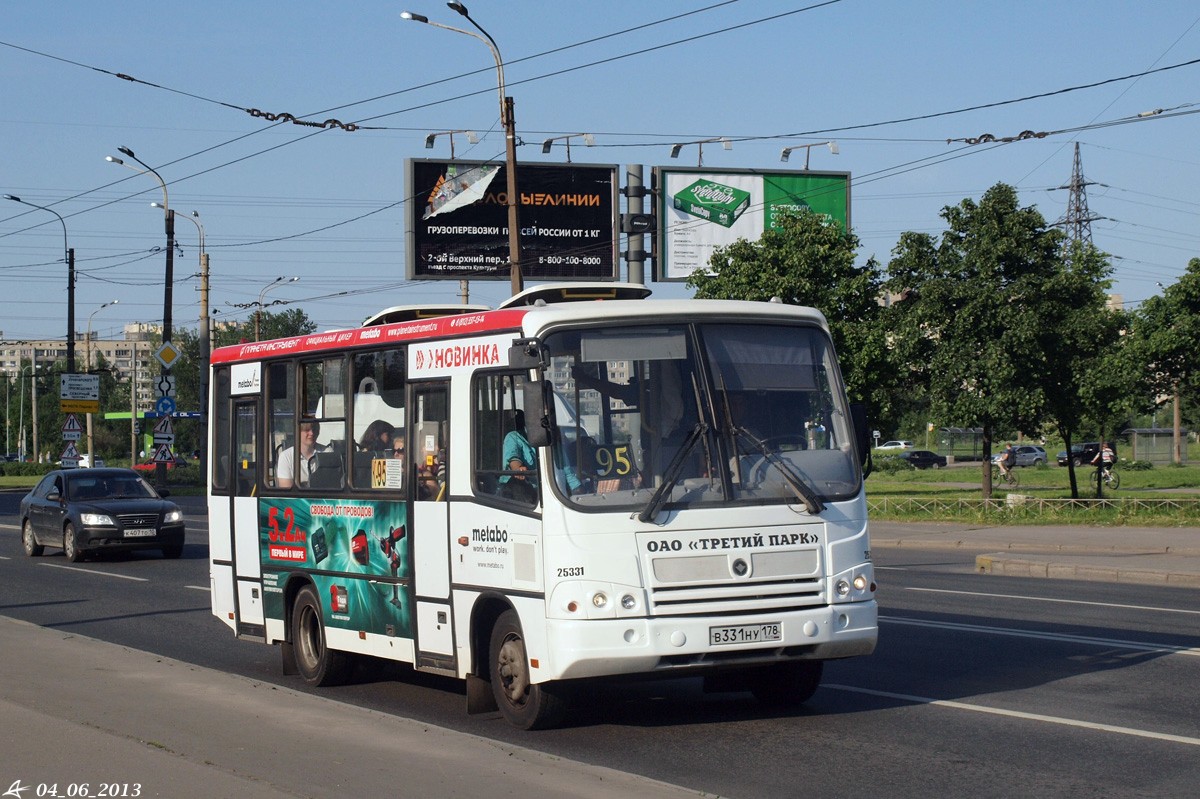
702, 209
457, 220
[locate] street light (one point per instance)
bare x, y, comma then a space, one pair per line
279, 281
32, 369
160, 469
470, 134
510, 138
725, 144
69, 257
588, 139
832, 145
169, 220
90, 441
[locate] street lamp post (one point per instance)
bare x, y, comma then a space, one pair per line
32, 369
279, 281
832, 145
160, 469
88, 368
69, 257
510, 138
725, 144
588, 139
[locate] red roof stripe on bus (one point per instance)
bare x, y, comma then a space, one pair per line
415, 330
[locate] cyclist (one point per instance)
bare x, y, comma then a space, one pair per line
1105, 458
1007, 460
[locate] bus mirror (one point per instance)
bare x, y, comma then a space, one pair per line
526, 353
862, 435
539, 412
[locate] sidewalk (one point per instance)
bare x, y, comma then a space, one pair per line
1142, 555
79, 710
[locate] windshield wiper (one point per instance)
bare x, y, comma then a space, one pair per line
671, 475
802, 489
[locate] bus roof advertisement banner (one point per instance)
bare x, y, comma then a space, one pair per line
703, 209
458, 220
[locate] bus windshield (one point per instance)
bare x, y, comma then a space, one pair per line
683, 415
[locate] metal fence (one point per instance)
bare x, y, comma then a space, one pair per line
1021, 502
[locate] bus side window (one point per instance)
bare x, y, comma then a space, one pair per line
496, 422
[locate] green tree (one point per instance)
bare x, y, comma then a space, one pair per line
968, 321
1088, 375
809, 260
1165, 339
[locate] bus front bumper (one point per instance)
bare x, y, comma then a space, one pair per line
605, 647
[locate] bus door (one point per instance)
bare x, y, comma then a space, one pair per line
236, 468
429, 531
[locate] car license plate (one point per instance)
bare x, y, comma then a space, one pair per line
745, 633
140, 532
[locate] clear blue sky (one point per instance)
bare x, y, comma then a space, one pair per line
324, 205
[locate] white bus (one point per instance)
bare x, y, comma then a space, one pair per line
686, 497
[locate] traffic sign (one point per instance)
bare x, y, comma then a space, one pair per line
165, 405
167, 354
164, 432
70, 455
79, 393
162, 454
71, 431
165, 385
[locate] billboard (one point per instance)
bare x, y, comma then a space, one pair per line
701, 209
457, 220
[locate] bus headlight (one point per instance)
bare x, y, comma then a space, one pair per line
600, 599
856, 584
628, 601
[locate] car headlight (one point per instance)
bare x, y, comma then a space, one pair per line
96, 519
173, 516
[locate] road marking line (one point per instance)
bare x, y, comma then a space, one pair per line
93, 571
198, 587
10, 526
1017, 714
1163, 649
1051, 599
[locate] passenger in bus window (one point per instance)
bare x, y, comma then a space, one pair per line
378, 438
285, 470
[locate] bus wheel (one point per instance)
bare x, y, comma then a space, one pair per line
317, 664
525, 705
787, 685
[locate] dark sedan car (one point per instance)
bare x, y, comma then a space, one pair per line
924, 459
89, 510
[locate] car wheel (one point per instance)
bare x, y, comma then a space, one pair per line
937, 465
70, 546
32, 548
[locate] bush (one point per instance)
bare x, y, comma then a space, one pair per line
892, 463
1135, 466
17, 469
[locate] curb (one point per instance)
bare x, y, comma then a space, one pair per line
1032, 548
1028, 567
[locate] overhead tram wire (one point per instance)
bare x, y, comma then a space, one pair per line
572, 69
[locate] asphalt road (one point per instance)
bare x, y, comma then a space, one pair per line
984, 685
